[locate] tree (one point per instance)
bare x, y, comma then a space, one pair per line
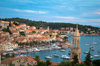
13, 55
33, 32
11, 64
80, 64
65, 38
41, 64
37, 58
7, 56
96, 62
88, 59
48, 63
75, 59
65, 64
22, 33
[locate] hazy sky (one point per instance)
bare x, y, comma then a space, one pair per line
86, 12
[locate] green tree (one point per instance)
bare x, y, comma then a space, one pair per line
22, 33
11, 64
41, 64
48, 63
81, 64
13, 55
33, 32
7, 56
96, 62
88, 59
75, 59
65, 64
37, 58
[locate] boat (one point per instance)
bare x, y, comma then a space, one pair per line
69, 52
98, 51
48, 57
86, 52
62, 50
92, 48
65, 57
86, 44
94, 42
56, 55
96, 56
36, 50
91, 57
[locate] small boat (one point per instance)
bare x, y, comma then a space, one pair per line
65, 57
69, 52
92, 48
86, 52
86, 44
36, 50
91, 57
98, 51
94, 42
62, 50
48, 57
56, 55
96, 56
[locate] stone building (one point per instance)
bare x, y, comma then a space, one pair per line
76, 50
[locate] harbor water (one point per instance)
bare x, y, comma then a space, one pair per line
85, 39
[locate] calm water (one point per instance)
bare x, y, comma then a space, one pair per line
84, 40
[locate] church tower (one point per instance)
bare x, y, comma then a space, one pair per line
75, 49
48, 28
0, 59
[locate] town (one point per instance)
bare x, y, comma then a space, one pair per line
17, 39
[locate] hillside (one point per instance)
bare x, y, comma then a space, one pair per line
52, 25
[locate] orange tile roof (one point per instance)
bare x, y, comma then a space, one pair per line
54, 63
16, 57
24, 57
30, 29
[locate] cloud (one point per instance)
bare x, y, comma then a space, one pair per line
63, 17
97, 24
29, 11
97, 12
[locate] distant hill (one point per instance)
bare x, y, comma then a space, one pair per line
52, 25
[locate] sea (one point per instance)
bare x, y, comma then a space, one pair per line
85, 39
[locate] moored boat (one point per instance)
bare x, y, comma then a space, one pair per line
48, 57
96, 56
56, 55
65, 57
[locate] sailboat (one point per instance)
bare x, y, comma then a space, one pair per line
94, 42
56, 55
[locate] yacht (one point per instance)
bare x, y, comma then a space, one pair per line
56, 55
91, 57
62, 50
86, 44
65, 57
85, 52
36, 50
48, 57
96, 56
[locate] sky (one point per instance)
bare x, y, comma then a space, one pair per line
85, 12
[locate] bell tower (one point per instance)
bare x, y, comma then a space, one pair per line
75, 49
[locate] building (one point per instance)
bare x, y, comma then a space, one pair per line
4, 24
0, 59
19, 60
8, 46
76, 50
